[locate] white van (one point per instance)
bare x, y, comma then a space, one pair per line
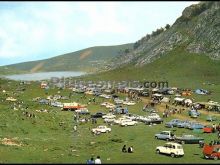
170, 148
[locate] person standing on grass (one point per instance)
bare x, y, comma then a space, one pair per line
75, 128
98, 160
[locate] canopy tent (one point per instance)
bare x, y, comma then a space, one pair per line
157, 95
189, 101
178, 99
165, 100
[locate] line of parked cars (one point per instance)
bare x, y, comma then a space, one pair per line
184, 139
184, 124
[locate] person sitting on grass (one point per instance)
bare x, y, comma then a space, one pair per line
130, 149
90, 161
124, 149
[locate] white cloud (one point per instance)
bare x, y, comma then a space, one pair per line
43, 29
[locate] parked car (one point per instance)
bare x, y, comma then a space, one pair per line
145, 94
43, 101
188, 139
211, 118
119, 120
83, 111
188, 125
154, 121
143, 119
98, 115
129, 103
101, 129
165, 135
211, 151
193, 113
109, 120
56, 104
118, 101
153, 116
172, 123
151, 110
207, 129
128, 122
108, 116
182, 124
170, 148
196, 126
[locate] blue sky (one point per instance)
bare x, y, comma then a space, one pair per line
38, 30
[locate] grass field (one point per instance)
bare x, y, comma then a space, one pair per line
43, 140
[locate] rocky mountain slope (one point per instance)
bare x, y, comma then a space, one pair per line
196, 31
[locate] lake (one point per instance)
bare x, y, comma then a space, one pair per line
43, 75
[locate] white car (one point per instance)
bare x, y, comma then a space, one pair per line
108, 116
109, 120
104, 103
153, 116
102, 129
128, 122
170, 148
110, 105
106, 96
145, 119
129, 103
118, 101
119, 120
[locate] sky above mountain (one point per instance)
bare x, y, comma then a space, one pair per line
38, 30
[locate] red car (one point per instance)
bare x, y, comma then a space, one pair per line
211, 151
207, 129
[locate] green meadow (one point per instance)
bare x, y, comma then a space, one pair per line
44, 140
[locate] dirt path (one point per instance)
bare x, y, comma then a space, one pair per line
161, 107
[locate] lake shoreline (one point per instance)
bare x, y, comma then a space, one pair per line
43, 75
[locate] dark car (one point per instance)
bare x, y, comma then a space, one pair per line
98, 115
189, 139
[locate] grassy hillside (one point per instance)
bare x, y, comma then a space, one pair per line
88, 60
178, 68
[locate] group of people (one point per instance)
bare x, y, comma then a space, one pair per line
130, 149
94, 161
215, 142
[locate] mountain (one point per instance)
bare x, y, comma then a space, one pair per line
185, 54
196, 31
88, 60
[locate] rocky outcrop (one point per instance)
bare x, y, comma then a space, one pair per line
197, 31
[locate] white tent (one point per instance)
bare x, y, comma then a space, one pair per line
189, 101
154, 89
178, 99
157, 95
165, 100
